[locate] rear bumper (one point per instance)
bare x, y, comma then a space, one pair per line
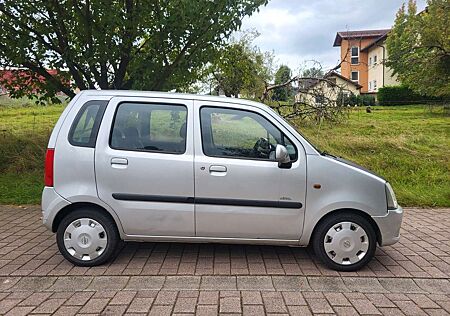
52, 202
389, 226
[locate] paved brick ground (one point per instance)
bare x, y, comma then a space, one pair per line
411, 277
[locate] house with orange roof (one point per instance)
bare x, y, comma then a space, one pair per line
363, 59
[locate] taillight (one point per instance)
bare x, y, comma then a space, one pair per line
49, 157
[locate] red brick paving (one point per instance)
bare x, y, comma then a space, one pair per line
411, 277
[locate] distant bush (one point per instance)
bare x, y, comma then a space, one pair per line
366, 100
356, 100
22, 153
400, 95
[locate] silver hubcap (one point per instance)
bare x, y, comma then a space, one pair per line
346, 243
85, 239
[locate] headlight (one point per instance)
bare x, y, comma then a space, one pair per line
390, 197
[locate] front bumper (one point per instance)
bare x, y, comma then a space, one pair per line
389, 226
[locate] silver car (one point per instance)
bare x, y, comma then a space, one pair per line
150, 166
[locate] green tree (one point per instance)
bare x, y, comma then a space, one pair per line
419, 48
117, 44
313, 72
241, 68
282, 75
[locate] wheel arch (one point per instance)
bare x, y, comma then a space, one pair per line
349, 211
73, 207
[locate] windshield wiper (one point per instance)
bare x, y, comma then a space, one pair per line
324, 153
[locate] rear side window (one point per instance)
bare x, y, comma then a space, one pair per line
150, 127
84, 129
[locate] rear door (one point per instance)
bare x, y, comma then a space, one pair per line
144, 165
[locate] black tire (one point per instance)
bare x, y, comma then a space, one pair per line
109, 226
322, 229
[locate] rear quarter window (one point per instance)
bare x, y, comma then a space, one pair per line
84, 129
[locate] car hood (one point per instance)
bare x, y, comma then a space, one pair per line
353, 164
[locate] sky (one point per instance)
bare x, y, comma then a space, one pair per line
299, 31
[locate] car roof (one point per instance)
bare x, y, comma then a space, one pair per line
169, 95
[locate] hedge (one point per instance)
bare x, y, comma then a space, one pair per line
355, 100
398, 95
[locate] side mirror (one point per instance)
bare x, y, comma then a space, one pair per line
282, 156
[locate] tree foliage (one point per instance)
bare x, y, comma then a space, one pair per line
282, 75
241, 68
117, 44
419, 48
313, 72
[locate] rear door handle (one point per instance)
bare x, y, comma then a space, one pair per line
119, 161
216, 170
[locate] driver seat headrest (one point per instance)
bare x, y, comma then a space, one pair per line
183, 131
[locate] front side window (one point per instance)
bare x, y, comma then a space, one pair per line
355, 55
355, 76
375, 85
235, 133
375, 59
150, 127
84, 129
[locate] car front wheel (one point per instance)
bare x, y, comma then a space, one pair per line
87, 237
345, 242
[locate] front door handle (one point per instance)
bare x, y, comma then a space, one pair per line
216, 170
119, 162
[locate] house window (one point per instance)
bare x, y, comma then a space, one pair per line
355, 76
375, 59
355, 55
370, 85
370, 61
320, 99
374, 85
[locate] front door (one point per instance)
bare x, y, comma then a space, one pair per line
240, 191
144, 165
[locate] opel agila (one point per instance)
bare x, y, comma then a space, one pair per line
151, 166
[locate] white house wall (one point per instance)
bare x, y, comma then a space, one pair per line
378, 74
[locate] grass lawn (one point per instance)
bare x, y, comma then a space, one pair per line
408, 145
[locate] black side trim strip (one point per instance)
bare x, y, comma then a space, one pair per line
152, 198
210, 201
257, 203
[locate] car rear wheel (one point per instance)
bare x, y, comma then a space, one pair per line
345, 242
87, 237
